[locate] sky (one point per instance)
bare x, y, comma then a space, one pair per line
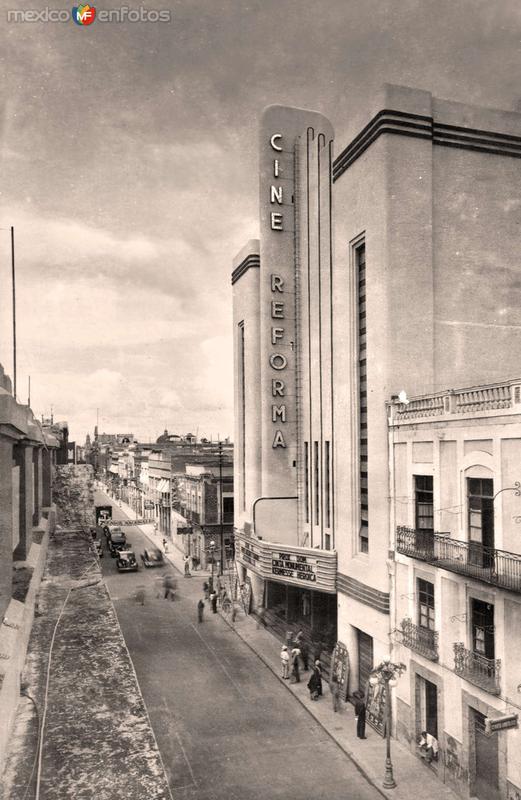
128, 156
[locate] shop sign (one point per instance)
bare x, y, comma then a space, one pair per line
184, 529
292, 565
494, 724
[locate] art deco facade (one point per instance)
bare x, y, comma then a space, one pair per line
392, 267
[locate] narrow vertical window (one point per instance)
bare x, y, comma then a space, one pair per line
362, 395
316, 481
327, 484
306, 476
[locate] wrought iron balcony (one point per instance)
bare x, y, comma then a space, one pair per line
421, 640
498, 567
477, 669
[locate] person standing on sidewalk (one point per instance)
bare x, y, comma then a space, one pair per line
284, 658
295, 670
200, 610
360, 715
213, 601
315, 682
301, 643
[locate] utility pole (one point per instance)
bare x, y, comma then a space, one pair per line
221, 504
14, 311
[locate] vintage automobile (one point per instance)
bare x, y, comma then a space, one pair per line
127, 561
107, 530
116, 541
153, 558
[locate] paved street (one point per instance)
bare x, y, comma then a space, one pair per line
226, 727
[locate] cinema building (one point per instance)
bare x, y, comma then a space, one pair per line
389, 266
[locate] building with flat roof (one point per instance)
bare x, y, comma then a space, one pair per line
391, 267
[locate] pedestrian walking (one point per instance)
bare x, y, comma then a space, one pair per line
334, 688
295, 666
284, 658
315, 682
165, 545
206, 590
302, 645
200, 610
213, 601
360, 715
289, 640
140, 595
169, 587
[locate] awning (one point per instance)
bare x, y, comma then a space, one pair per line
163, 487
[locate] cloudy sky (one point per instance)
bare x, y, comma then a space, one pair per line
129, 170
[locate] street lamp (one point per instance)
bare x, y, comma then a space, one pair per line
212, 551
386, 674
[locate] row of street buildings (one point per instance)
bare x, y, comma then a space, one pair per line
181, 483
377, 333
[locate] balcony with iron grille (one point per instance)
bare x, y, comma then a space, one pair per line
477, 669
421, 640
497, 567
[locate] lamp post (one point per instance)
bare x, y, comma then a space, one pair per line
386, 674
212, 551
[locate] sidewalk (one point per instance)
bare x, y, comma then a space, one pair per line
414, 778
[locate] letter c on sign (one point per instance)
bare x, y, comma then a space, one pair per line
273, 139
278, 361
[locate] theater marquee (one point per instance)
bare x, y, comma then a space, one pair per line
299, 566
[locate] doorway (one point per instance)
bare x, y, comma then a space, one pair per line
365, 658
484, 782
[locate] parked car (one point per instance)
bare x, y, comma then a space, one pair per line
153, 558
127, 561
116, 541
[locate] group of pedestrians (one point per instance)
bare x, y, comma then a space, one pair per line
295, 651
215, 596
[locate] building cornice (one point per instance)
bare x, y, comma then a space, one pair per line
419, 126
251, 261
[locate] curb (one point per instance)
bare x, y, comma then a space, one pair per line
348, 753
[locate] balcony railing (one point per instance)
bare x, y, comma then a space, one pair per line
421, 640
477, 669
498, 567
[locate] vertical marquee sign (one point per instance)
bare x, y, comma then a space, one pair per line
280, 130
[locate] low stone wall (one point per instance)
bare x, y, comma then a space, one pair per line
15, 631
97, 740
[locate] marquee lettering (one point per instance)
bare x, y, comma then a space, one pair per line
277, 284
278, 361
276, 221
276, 334
278, 441
277, 309
274, 138
278, 411
278, 387
276, 194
